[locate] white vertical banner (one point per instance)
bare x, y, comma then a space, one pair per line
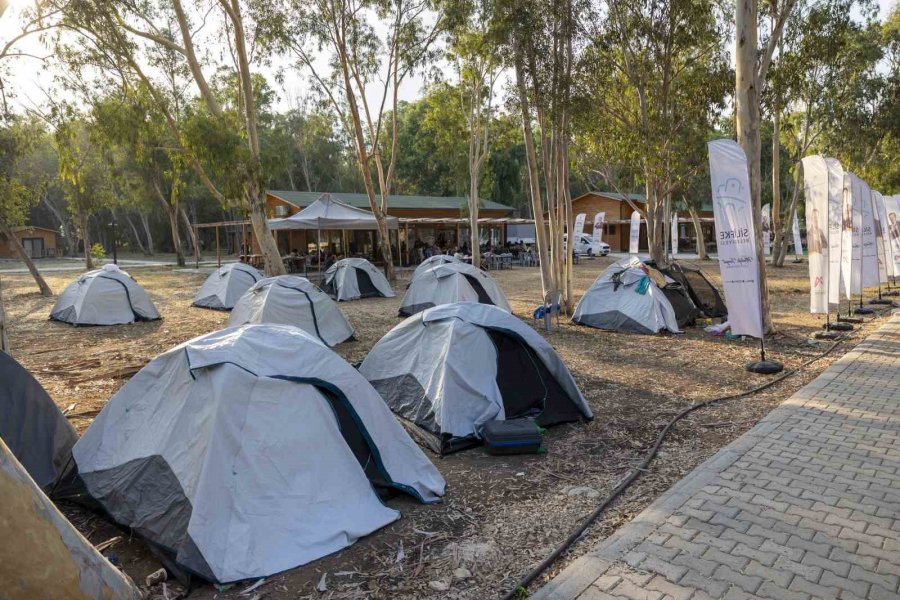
599, 218
835, 206
674, 233
815, 183
878, 215
892, 208
735, 237
767, 228
635, 237
850, 248
869, 246
798, 241
579, 226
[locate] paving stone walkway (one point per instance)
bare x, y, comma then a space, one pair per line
804, 505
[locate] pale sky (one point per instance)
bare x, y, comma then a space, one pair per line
29, 78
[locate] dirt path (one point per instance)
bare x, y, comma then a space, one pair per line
501, 515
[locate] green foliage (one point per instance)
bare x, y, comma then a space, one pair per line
98, 252
19, 190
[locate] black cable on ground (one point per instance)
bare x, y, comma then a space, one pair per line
521, 588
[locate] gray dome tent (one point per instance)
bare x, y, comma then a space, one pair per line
107, 296
449, 283
226, 285
292, 300
248, 451
355, 278
625, 298
450, 369
433, 261
32, 426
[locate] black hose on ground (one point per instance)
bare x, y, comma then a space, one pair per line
521, 588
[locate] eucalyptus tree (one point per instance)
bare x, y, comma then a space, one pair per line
824, 55
373, 46
751, 70
542, 49
19, 189
143, 44
655, 77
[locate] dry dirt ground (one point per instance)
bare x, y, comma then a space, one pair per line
501, 515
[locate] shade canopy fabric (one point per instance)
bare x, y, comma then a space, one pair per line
330, 213
448, 283
248, 451
107, 296
292, 300
625, 298
450, 369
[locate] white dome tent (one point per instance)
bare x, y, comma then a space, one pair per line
449, 283
107, 296
292, 300
450, 369
625, 298
433, 261
248, 451
355, 278
226, 285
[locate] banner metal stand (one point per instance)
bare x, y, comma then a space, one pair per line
763, 366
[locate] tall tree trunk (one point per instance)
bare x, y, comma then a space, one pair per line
788, 222
747, 126
136, 235
473, 214
173, 227
192, 234
65, 225
86, 238
145, 222
534, 183
698, 231
780, 240
38, 278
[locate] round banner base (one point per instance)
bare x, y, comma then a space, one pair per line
863, 310
849, 320
882, 301
826, 335
890, 293
839, 326
764, 367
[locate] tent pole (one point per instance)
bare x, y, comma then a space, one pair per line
218, 249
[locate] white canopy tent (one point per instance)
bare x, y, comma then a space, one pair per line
330, 213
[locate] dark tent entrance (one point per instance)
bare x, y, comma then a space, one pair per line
483, 297
527, 388
685, 311
701, 291
366, 288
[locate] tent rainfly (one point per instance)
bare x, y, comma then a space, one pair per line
248, 451
433, 261
625, 298
292, 300
355, 278
43, 555
226, 285
32, 426
449, 283
448, 370
107, 296
329, 213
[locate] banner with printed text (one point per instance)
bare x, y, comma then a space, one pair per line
869, 273
735, 237
599, 218
635, 232
815, 183
892, 208
835, 207
674, 234
579, 226
885, 264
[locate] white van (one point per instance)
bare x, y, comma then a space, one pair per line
587, 246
